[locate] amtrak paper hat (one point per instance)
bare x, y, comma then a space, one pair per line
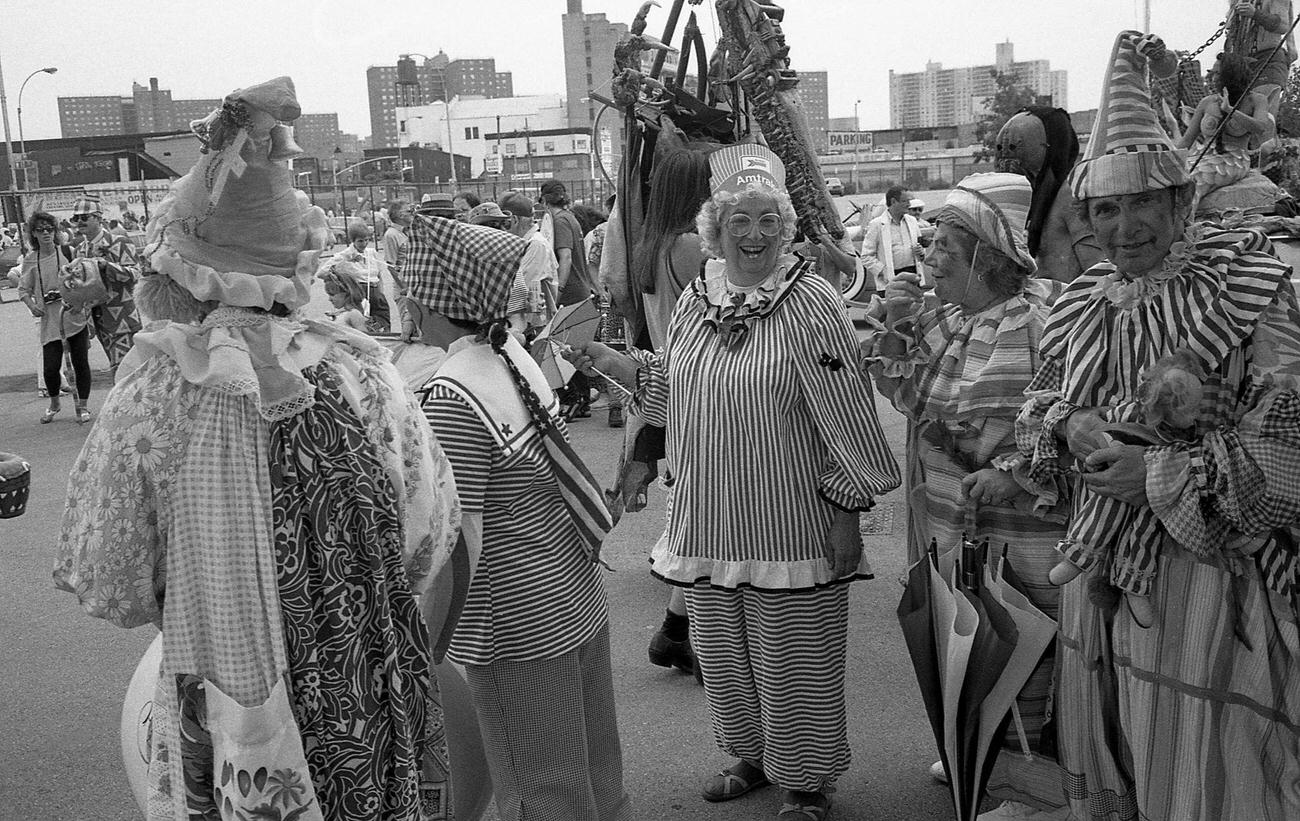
1129, 152
734, 167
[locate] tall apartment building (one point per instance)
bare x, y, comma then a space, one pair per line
187, 111
813, 94
953, 96
148, 110
589, 41
90, 116
412, 83
478, 77
318, 134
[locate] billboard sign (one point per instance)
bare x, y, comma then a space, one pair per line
849, 142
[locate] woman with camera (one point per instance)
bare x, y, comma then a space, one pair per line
60, 325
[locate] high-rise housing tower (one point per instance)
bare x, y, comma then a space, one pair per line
589, 41
940, 97
414, 83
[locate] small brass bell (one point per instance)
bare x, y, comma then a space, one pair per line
283, 146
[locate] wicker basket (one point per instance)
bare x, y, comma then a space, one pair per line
15, 484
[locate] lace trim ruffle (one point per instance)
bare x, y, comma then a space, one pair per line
244, 352
236, 288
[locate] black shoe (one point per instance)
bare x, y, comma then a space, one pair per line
664, 652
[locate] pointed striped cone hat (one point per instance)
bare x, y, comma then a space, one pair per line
1129, 152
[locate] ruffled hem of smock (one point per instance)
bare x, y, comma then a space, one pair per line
764, 575
245, 352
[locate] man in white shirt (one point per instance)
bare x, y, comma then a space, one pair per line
892, 244
537, 269
399, 216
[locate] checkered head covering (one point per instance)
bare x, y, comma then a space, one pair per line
459, 270
1129, 152
995, 208
87, 205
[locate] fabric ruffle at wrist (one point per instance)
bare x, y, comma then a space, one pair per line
907, 329
1047, 499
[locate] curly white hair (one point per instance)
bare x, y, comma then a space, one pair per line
708, 222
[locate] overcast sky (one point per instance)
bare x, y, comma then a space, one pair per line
205, 49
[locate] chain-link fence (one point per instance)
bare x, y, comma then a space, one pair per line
348, 199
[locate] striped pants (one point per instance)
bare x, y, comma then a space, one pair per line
552, 736
773, 664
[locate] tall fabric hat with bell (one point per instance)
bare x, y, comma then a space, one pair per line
1129, 152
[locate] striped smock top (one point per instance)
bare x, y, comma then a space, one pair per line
535, 593
771, 427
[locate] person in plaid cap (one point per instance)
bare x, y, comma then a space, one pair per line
534, 633
263, 487
116, 320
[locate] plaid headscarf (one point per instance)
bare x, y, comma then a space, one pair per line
459, 270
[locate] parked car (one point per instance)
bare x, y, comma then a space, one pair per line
834, 186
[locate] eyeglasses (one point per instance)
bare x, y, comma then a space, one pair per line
43, 229
739, 225
80, 217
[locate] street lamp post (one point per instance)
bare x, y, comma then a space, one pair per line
857, 127
902, 161
451, 152
338, 195
9, 145
22, 144
401, 164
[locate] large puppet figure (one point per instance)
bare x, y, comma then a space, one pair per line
265, 489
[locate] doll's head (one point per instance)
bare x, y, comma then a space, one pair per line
1171, 391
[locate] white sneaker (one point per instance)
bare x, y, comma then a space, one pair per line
1016, 809
938, 773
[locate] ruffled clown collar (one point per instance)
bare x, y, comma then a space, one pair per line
730, 311
1126, 292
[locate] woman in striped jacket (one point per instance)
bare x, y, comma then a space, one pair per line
773, 434
956, 365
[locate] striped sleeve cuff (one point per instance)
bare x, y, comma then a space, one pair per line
836, 488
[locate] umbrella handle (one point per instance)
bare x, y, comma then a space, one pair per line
1020, 732
971, 515
564, 346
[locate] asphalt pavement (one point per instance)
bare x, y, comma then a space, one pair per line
63, 674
